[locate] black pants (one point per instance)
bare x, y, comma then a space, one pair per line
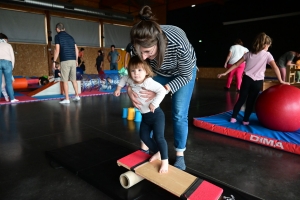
156, 122
249, 91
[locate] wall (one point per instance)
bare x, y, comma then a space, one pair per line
30, 60
35, 59
205, 22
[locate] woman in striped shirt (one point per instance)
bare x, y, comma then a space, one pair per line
173, 60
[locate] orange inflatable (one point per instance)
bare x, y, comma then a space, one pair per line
20, 83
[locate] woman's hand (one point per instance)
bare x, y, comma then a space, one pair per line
147, 94
133, 97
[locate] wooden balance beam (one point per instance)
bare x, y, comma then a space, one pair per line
176, 181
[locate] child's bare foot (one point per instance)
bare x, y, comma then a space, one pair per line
164, 166
155, 157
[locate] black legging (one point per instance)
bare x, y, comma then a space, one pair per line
156, 122
249, 91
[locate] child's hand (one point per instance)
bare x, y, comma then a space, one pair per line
151, 107
117, 93
220, 75
286, 83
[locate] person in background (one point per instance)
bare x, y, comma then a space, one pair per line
66, 49
43, 80
253, 79
236, 51
285, 60
7, 62
297, 62
80, 56
57, 73
113, 58
99, 62
128, 55
172, 58
82, 67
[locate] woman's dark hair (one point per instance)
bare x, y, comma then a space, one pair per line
147, 33
99, 51
3, 36
81, 49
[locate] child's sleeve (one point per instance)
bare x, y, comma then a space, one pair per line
156, 87
123, 81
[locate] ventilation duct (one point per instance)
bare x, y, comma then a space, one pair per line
70, 8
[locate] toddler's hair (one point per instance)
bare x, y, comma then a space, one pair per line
136, 62
56, 65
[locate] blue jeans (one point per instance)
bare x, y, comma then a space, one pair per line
113, 66
6, 69
180, 107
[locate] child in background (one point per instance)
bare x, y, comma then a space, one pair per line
43, 80
256, 61
57, 72
153, 118
82, 67
57, 76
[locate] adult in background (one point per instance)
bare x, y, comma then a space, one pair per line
128, 55
80, 56
66, 49
7, 62
173, 60
285, 60
99, 62
236, 52
113, 58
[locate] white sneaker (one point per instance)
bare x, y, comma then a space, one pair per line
14, 100
76, 98
6, 98
65, 101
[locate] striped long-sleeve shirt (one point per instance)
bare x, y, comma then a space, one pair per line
179, 60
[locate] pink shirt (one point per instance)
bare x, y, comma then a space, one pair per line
256, 64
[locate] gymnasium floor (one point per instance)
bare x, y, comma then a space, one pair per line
28, 130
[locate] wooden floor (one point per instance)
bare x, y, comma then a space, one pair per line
28, 130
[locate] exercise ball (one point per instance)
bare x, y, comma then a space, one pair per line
278, 108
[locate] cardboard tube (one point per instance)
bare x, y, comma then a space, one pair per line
129, 179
